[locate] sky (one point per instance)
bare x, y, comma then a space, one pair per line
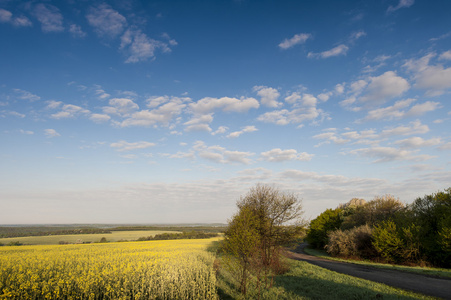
170, 111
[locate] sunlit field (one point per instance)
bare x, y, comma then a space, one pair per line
176, 269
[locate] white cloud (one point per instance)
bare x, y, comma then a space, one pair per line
295, 40
25, 95
106, 21
163, 115
50, 17
295, 116
371, 137
76, 31
331, 136
122, 145
415, 128
220, 130
401, 4
387, 154
293, 98
50, 133
101, 94
435, 79
357, 35
246, 129
221, 155
336, 51
139, 47
399, 110
445, 55
268, 96
121, 107
418, 142
22, 21
384, 87
28, 132
70, 111
227, 104
52, 104
199, 123
99, 118
279, 155
7, 17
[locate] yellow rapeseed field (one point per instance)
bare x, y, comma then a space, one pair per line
176, 269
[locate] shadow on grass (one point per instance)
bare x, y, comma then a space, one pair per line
315, 288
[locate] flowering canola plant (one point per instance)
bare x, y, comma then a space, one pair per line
175, 269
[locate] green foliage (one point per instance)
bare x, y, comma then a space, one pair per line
328, 221
371, 213
387, 241
259, 229
432, 214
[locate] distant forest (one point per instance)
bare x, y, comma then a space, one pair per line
39, 230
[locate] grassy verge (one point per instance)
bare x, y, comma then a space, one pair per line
306, 281
418, 270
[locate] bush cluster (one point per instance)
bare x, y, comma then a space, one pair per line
386, 229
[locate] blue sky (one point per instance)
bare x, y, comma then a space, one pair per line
168, 111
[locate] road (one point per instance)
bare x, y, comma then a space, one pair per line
424, 284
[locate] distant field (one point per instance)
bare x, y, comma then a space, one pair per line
82, 238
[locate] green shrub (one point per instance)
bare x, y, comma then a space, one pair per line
387, 241
320, 227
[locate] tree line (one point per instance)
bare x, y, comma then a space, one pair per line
180, 236
387, 230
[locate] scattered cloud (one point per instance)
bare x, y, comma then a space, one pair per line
76, 31
139, 47
199, 123
295, 116
399, 110
336, 51
295, 40
69, 111
106, 21
20, 21
384, 87
25, 95
49, 16
435, 79
279, 155
221, 155
417, 142
268, 96
246, 129
28, 132
220, 130
123, 107
51, 133
401, 4
208, 105
123, 146
100, 118
357, 35
387, 154
371, 136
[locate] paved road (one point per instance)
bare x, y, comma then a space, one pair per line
427, 285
